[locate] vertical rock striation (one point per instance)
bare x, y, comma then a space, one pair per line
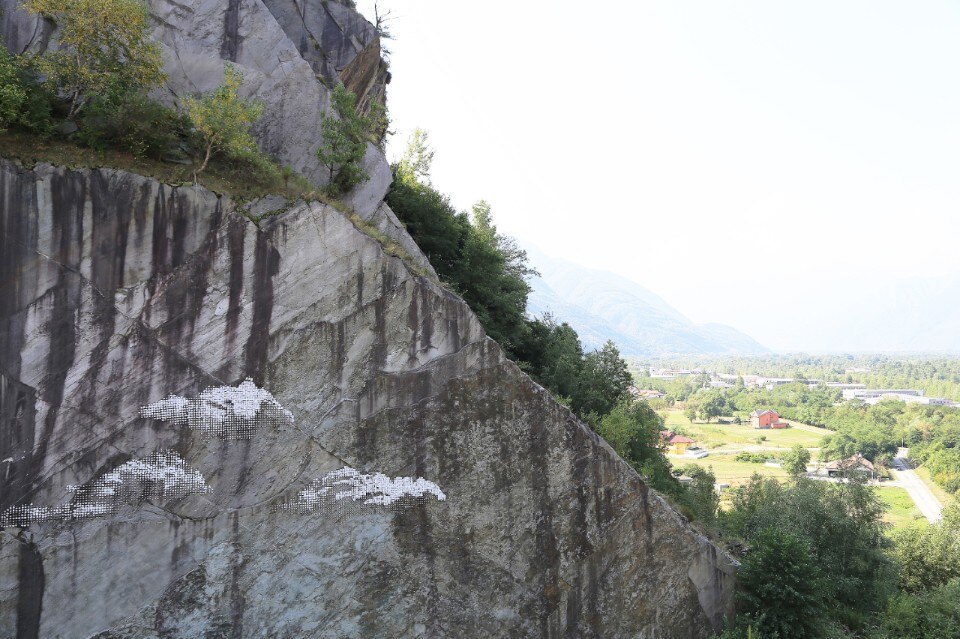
117, 291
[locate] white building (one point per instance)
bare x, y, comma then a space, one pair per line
873, 393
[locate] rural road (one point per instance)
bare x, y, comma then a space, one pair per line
925, 500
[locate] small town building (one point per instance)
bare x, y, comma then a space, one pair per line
855, 464
767, 419
676, 444
644, 393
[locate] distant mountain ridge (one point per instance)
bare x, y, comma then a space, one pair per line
601, 305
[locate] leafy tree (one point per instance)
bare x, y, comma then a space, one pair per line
344, 142
223, 119
552, 354
12, 93
417, 158
701, 494
795, 460
104, 49
711, 404
492, 276
842, 527
633, 430
603, 382
927, 556
433, 223
781, 587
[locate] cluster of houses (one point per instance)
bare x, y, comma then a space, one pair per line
850, 391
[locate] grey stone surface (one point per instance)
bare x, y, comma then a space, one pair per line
117, 291
21, 31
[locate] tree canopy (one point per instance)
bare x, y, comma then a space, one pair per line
104, 49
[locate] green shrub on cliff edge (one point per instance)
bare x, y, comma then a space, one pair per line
490, 271
12, 93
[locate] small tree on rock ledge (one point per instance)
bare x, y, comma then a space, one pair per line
223, 119
344, 143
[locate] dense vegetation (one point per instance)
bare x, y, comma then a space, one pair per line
818, 563
490, 272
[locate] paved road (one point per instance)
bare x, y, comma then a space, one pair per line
925, 500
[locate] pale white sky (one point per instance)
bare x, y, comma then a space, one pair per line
717, 152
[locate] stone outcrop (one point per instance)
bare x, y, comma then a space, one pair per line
117, 291
290, 52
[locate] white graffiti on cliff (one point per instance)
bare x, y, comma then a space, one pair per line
164, 475
226, 413
347, 485
223, 412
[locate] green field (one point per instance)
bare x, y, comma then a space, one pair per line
902, 511
721, 437
727, 469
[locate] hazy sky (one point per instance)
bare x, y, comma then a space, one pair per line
717, 152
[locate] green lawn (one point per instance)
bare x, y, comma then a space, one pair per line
721, 437
727, 469
902, 510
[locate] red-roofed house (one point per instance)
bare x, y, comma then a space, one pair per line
767, 419
676, 444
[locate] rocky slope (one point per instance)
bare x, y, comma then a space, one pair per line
117, 291
148, 490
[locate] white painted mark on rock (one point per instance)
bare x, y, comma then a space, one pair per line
164, 475
223, 412
348, 485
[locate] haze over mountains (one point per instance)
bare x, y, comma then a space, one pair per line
601, 305
909, 315
880, 315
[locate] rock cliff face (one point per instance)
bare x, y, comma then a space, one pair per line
117, 291
133, 312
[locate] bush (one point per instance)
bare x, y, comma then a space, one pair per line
12, 93
132, 122
933, 614
752, 458
24, 102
